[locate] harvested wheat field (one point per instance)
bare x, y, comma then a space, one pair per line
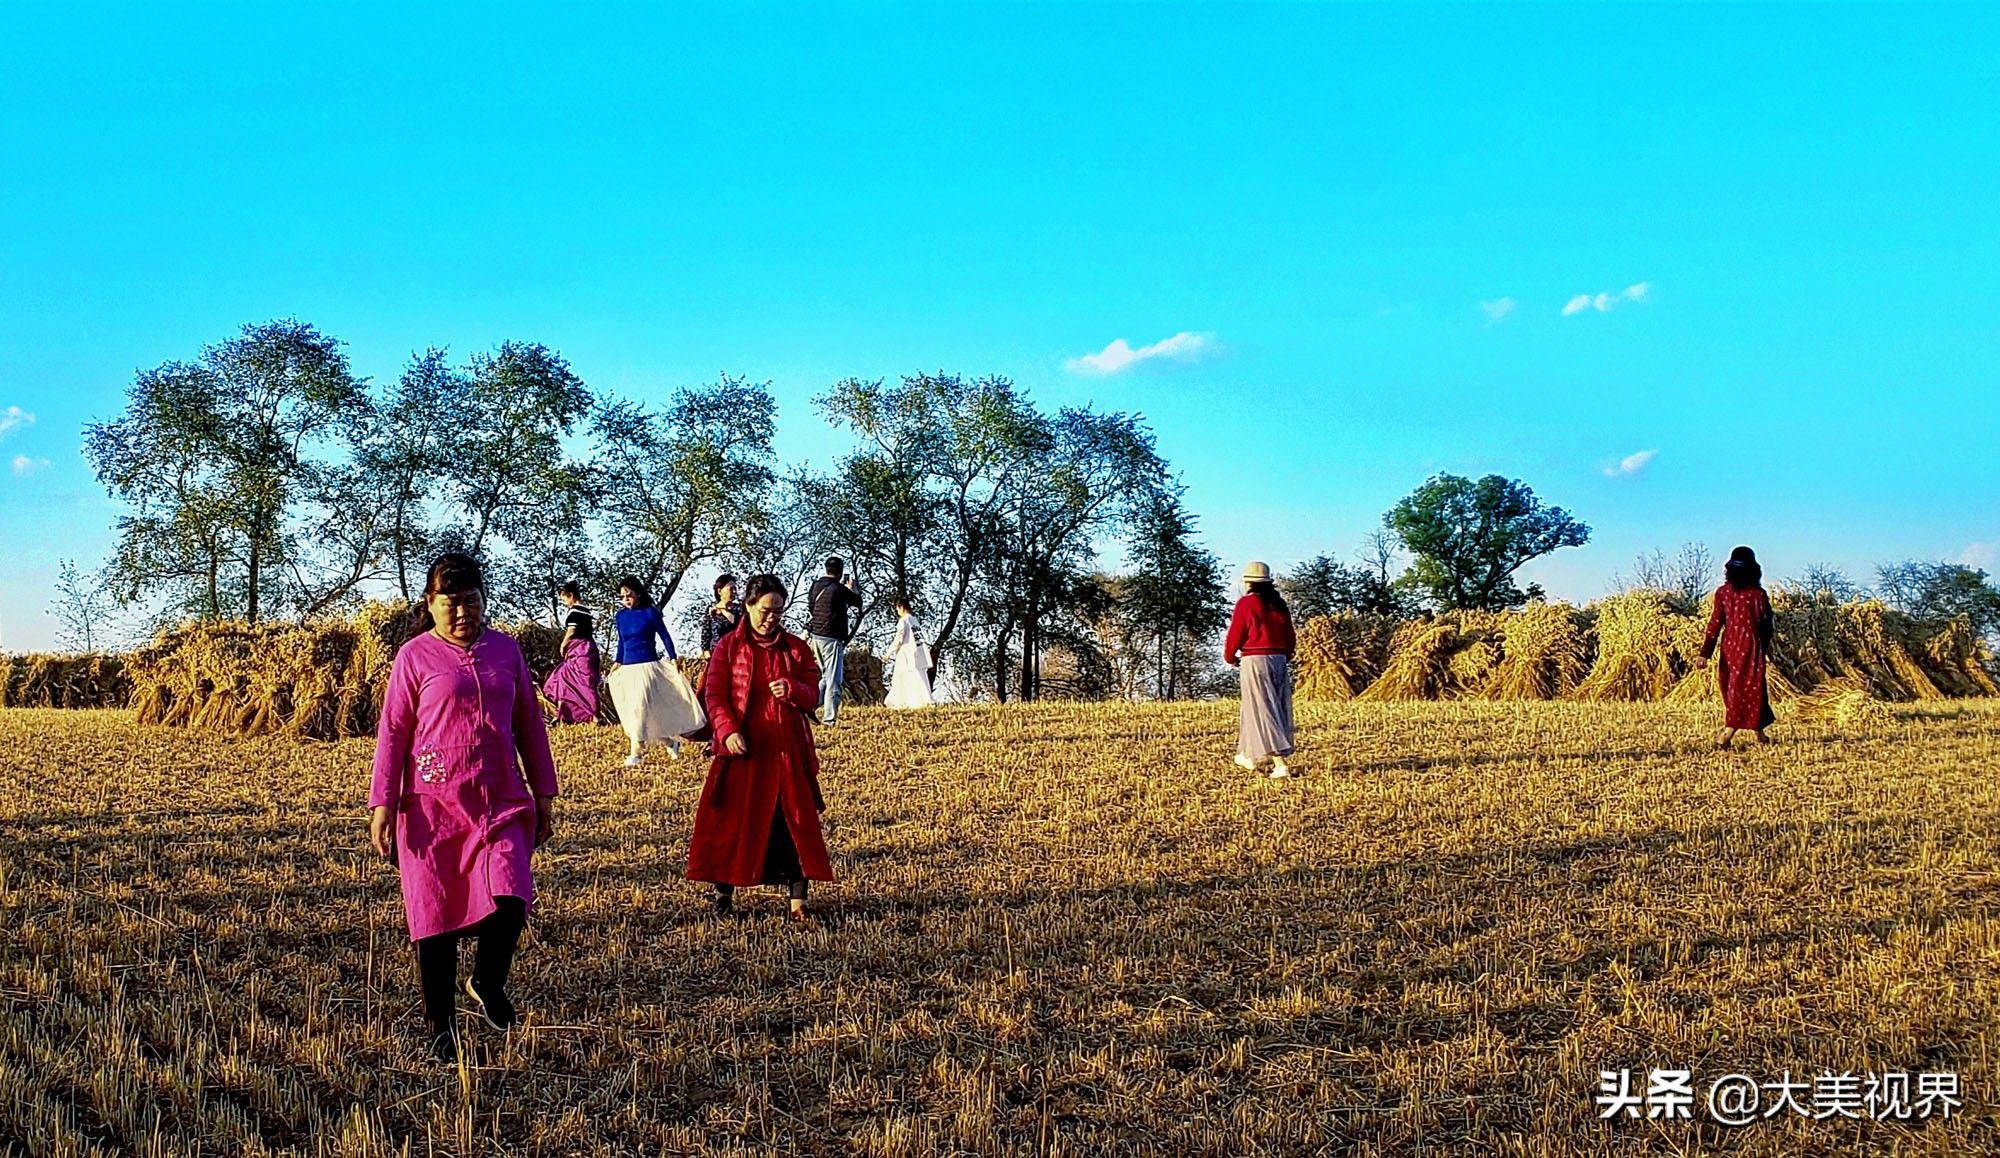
1061, 929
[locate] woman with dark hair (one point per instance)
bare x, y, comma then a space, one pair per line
909, 677
572, 686
462, 792
653, 699
758, 820
1743, 624
723, 615
1260, 643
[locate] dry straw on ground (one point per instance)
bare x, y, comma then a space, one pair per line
1060, 930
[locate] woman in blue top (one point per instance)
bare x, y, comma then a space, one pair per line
653, 700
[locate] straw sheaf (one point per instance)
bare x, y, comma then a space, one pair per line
63, 681
1845, 703
1338, 656
1544, 654
1639, 649
1419, 664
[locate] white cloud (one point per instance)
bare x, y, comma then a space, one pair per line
1604, 303
1496, 310
1980, 555
13, 417
1631, 464
1119, 356
25, 466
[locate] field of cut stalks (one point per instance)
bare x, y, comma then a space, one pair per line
1060, 929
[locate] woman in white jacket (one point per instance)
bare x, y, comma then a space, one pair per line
910, 663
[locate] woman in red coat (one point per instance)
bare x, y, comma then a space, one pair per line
758, 820
1742, 621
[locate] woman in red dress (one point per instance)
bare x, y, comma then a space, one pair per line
1742, 621
758, 820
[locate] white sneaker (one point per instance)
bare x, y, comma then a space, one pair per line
1245, 762
633, 760
1279, 771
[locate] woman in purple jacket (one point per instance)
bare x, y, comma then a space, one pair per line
463, 788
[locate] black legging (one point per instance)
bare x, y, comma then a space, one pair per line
437, 959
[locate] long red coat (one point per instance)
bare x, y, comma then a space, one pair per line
732, 824
1742, 620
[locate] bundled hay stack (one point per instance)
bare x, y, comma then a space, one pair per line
63, 681
862, 681
1476, 652
324, 680
1844, 703
1638, 656
1877, 643
1544, 654
1419, 664
321, 680
1960, 663
540, 644
1338, 656
1806, 645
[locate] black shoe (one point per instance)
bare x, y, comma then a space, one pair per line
493, 1004
444, 1047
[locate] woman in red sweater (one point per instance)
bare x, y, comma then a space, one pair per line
1260, 645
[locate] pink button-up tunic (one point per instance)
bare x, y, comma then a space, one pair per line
453, 721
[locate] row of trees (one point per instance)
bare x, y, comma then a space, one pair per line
265, 479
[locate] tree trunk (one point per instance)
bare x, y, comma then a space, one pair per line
1000, 661
256, 564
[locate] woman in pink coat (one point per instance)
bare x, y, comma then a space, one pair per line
450, 806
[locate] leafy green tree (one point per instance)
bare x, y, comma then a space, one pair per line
1173, 599
1470, 537
503, 453
406, 452
686, 485
947, 455
211, 456
1092, 473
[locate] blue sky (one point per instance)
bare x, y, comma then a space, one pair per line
1368, 221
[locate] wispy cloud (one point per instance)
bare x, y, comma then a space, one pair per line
1631, 464
12, 418
1119, 356
1980, 555
1496, 311
1603, 303
25, 466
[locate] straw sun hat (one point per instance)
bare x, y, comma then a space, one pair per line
1256, 573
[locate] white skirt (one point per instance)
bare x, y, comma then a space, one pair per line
654, 701
909, 683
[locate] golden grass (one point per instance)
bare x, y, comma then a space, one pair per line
1061, 929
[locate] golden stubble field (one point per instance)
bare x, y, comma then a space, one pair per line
1061, 929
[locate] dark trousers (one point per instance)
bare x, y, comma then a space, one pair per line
781, 861
437, 959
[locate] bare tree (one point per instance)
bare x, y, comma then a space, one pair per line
1687, 574
83, 608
